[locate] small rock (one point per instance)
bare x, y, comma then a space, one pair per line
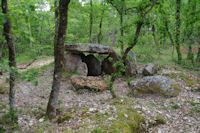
30, 123
125, 115
168, 116
92, 109
110, 118
185, 118
41, 119
159, 131
102, 111
149, 69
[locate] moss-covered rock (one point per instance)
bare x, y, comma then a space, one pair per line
156, 85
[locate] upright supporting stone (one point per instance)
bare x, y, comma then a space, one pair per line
74, 64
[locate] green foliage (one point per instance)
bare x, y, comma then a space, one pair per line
160, 120
176, 106
8, 122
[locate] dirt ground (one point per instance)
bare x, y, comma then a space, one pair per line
181, 113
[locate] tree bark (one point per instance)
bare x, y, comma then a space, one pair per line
30, 32
99, 38
155, 39
178, 24
113, 37
137, 32
91, 22
12, 63
59, 40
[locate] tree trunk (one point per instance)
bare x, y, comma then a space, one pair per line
164, 40
99, 38
121, 13
91, 21
60, 36
178, 24
191, 8
137, 33
30, 32
155, 40
1, 52
113, 37
12, 63
121, 33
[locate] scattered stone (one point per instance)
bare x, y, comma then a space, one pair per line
102, 111
125, 115
73, 64
155, 85
111, 118
30, 123
93, 64
149, 69
168, 116
41, 119
88, 47
92, 109
89, 82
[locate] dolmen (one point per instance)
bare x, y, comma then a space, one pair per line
87, 60
81, 59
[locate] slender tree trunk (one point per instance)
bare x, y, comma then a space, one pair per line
121, 33
121, 13
91, 21
178, 24
60, 36
155, 40
164, 40
135, 40
12, 62
137, 32
113, 37
99, 38
191, 8
30, 31
1, 52
56, 18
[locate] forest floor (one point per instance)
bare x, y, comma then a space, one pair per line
86, 111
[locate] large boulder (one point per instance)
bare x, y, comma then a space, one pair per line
93, 64
89, 82
149, 69
88, 47
155, 85
73, 64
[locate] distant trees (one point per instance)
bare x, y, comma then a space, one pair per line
12, 62
58, 55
